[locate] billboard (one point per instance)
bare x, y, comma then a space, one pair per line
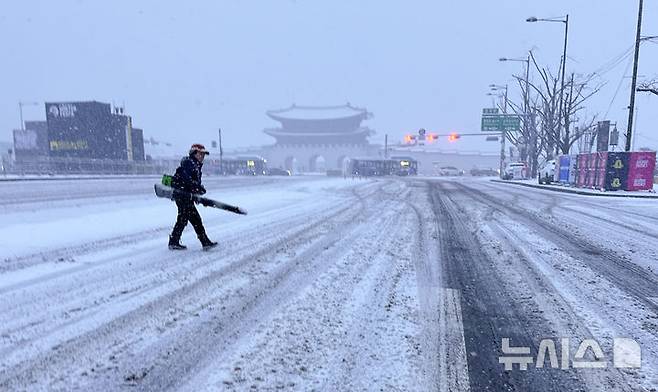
86, 130
583, 167
641, 166
566, 171
602, 135
616, 172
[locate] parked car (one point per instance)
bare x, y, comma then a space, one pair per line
516, 171
278, 172
546, 172
450, 171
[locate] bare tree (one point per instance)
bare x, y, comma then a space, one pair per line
546, 125
579, 91
649, 87
555, 125
526, 139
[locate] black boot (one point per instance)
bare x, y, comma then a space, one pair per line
206, 243
174, 244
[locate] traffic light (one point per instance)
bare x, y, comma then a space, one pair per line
453, 137
431, 137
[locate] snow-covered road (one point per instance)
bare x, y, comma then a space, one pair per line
327, 284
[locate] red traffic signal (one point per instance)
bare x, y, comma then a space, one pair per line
409, 139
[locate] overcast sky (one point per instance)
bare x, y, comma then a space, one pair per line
183, 69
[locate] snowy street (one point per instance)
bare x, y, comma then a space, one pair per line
328, 284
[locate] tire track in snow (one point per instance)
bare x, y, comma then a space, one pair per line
625, 274
176, 357
64, 353
490, 312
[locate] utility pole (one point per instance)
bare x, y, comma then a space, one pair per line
631, 106
221, 153
386, 146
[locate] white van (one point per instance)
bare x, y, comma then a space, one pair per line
516, 171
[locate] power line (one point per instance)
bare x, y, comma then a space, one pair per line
614, 62
621, 81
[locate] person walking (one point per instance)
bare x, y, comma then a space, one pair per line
188, 178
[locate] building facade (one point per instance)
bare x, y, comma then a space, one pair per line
32, 141
138, 144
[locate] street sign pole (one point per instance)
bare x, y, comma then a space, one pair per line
503, 136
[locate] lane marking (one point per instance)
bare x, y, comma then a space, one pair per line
453, 361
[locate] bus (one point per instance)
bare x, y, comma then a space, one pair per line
404, 166
374, 167
240, 166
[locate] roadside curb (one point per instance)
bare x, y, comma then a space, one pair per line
576, 191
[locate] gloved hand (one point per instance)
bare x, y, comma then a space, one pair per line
202, 190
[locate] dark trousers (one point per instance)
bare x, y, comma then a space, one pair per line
187, 212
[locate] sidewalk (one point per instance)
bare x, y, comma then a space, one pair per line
583, 191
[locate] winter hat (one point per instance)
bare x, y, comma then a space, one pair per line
198, 148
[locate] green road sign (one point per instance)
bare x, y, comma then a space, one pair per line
490, 123
511, 122
500, 122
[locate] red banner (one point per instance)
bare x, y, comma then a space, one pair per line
641, 168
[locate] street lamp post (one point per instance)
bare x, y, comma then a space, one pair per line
527, 79
526, 96
495, 87
20, 111
564, 54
